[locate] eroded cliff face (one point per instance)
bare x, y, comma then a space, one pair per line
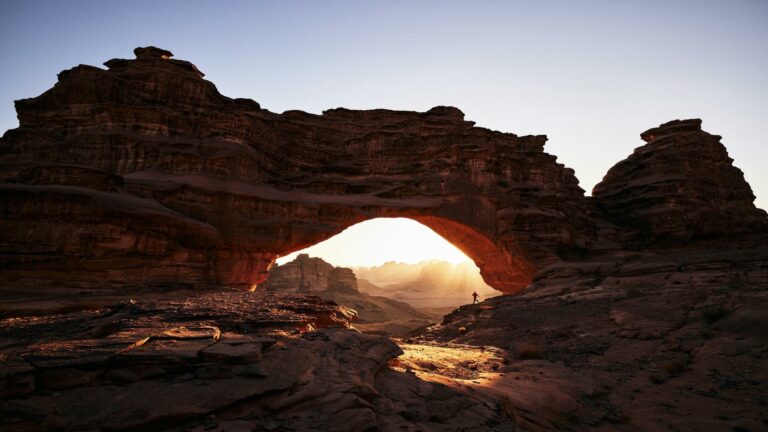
143, 176
310, 276
144, 173
682, 185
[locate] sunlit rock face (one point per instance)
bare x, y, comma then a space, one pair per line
143, 176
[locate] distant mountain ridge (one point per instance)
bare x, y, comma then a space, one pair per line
431, 283
308, 275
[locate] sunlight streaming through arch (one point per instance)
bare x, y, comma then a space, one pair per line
381, 240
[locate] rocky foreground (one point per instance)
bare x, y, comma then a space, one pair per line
663, 340
224, 361
652, 341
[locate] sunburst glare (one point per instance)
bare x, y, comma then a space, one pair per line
381, 240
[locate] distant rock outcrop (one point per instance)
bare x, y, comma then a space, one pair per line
310, 276
680, 186
379, 314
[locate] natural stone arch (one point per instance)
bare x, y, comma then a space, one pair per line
143, 174
500, 269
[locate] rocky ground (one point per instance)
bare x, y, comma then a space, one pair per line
664, 341
382, 315
225, 361
655, 341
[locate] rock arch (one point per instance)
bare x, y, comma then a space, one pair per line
499, 268
143, 174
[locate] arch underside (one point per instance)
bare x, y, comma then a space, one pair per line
506, 269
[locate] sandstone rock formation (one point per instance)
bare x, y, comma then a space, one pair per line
680, 186
143, 174
310, 275
645, 305
374, 314
671, 340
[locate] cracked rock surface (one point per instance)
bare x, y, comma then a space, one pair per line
663, 340
223, 361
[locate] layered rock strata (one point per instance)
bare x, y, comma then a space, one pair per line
310, 275
645, 312
144, 174
681, 185
669, 340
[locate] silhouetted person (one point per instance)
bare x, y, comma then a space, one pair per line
474, 297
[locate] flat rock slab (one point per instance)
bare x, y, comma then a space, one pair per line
233, 353
163, 351
141, 404
70, 353
192, 332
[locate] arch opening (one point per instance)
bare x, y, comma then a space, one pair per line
506, 269
417, 240
397, 274
379, 240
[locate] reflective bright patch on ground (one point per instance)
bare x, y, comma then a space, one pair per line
453, 361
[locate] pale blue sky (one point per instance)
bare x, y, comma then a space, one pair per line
591, 75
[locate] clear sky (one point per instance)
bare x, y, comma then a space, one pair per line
377, 241
591, 75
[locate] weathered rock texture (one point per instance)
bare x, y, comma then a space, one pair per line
671, 340
680, 186
310, 275
224, 361
144, 174
144, 177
